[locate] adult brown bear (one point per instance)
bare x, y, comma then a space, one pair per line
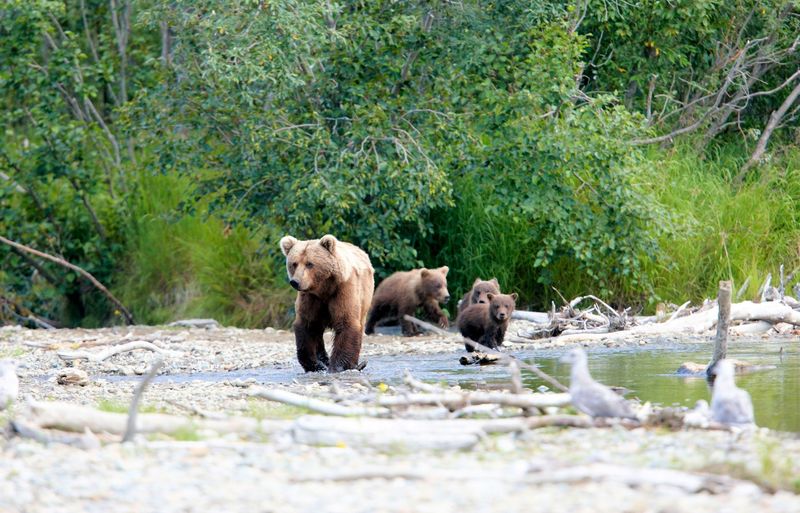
403, 292
334, 282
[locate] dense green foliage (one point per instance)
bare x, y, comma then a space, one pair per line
166, 146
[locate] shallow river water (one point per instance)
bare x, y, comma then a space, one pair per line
648, 371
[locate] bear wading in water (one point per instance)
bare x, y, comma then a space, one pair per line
334, 282
403, 292
486, 323
478, 293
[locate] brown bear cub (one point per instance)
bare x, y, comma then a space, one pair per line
486, 323
334, 282
478, 293
403, 292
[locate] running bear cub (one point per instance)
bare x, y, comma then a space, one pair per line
486, 323
477, 294
403, 292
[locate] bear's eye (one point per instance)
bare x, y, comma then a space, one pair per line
294, 265
309, 265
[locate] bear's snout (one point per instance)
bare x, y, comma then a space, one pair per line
295, 284
502, 315
446, 298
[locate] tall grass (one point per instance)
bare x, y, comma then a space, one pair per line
186, 262
475, 243
727, 232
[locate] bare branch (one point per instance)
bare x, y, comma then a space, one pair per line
85, 274
772, 124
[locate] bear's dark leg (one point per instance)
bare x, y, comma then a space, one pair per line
409, 328
489, 338
375, 314
435, 313
309, 341
346, 347
312, 318
500, 334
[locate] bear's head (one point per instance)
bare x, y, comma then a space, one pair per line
481, 288
501, 305
312, 265
434, 284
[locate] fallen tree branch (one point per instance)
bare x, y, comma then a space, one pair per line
76, 418
428, 326
505, 358
455, 400
537, 317
317, 405
24, 430
60, 261
108, 353
133, 410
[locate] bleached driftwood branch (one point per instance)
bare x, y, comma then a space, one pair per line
428, 326
451, 400
133, 410
108, 353
317, 405
76, 418
772, 312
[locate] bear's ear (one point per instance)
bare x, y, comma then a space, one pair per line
443, 270
489, 296
287, 243
496, 283
477, 280
328, 242
424, 273
514, 296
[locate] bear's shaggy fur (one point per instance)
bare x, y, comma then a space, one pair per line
403, 292
334, 282
486, 323
478, 293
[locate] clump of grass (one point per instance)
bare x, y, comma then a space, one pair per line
728, 232
112, 406
186, 434
475, 242
12, 352
189, 263
261, 410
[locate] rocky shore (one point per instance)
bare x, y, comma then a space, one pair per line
557, 469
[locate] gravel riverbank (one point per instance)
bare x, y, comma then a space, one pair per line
232, 473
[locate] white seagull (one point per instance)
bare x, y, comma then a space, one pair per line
730, 405
588, 395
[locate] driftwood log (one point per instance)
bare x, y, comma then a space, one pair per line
450, 400
76, 418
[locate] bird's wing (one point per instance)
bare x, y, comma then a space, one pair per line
734, 407
598, 400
